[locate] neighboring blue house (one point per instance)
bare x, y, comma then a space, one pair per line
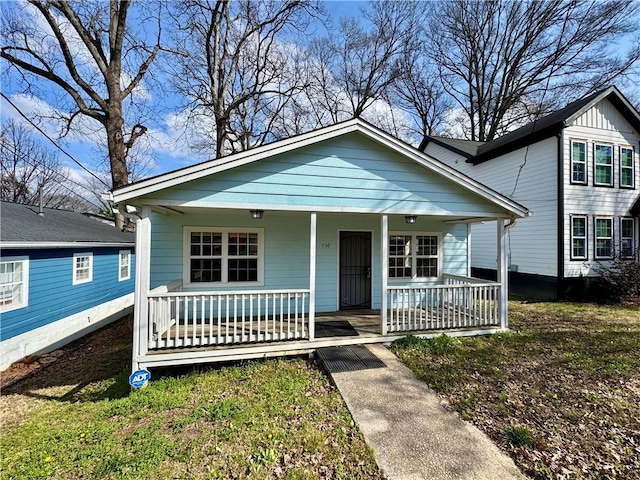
296, 245
62, 274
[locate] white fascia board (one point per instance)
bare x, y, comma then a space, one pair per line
41, 245
225, 163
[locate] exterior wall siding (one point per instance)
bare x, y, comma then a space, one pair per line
52, 296
603, 123
286, 245
533, 240
346, 174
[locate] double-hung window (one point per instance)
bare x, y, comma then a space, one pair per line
414, 255
627, 172
223, 255
627, 237
82, 268
604, 237
578, 162
124, 265
603, 165
578, 237
14, 283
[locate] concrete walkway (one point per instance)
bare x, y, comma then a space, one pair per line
412, 435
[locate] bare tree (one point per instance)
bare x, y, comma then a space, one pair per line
365, 58
505, 62
87, 50
26, 165
237, 69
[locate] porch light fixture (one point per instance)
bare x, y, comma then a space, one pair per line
256, 214
411, 219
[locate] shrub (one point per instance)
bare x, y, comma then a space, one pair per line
619, 281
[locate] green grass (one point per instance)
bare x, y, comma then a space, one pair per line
562, 395
271, 419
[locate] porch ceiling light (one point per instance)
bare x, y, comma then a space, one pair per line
256, 214
410, 219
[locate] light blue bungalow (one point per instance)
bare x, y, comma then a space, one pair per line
344, 235
62, 275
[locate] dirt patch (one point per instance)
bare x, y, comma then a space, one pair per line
96, 356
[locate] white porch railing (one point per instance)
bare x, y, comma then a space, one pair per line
461, 302
189, 319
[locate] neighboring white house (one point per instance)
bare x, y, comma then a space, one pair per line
577, 170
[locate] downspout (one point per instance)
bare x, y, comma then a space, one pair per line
560, 230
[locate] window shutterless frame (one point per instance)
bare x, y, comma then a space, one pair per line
414, 256
223, 256
82, 268
628, 241
603, 237
578, 156
627, 166
579, 237
14, 283
124, 265
602, 165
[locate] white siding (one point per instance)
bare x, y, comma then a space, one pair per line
533, 183
445, 155
602, 123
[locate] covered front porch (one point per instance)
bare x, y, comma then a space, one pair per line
188, 327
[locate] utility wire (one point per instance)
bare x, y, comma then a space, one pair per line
24, 159
53, 141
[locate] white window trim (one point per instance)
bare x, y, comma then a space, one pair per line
75, 280
585, 162
610, 165
586, 237
120, 265
633, 166
634, 240
25, 281
595, 238
414, 256
186, 256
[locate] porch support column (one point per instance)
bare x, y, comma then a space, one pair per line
384, 277
503, 275
142, 282
312, 275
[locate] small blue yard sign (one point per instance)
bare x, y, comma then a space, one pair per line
139, 378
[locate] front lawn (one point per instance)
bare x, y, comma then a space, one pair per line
561, 394
272, 419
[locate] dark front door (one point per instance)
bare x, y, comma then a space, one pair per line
355, 270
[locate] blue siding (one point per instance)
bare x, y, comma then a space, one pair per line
286, 240
51, 293
347, 174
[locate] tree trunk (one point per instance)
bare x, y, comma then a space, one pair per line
117, 155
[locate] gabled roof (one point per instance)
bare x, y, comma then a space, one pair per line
21, 226
194, 172
542, 128
466, 148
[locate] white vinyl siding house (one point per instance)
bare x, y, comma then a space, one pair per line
577, 170
351, 219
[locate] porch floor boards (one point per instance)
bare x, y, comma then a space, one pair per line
365, 322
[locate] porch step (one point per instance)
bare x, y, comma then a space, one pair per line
348, 358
